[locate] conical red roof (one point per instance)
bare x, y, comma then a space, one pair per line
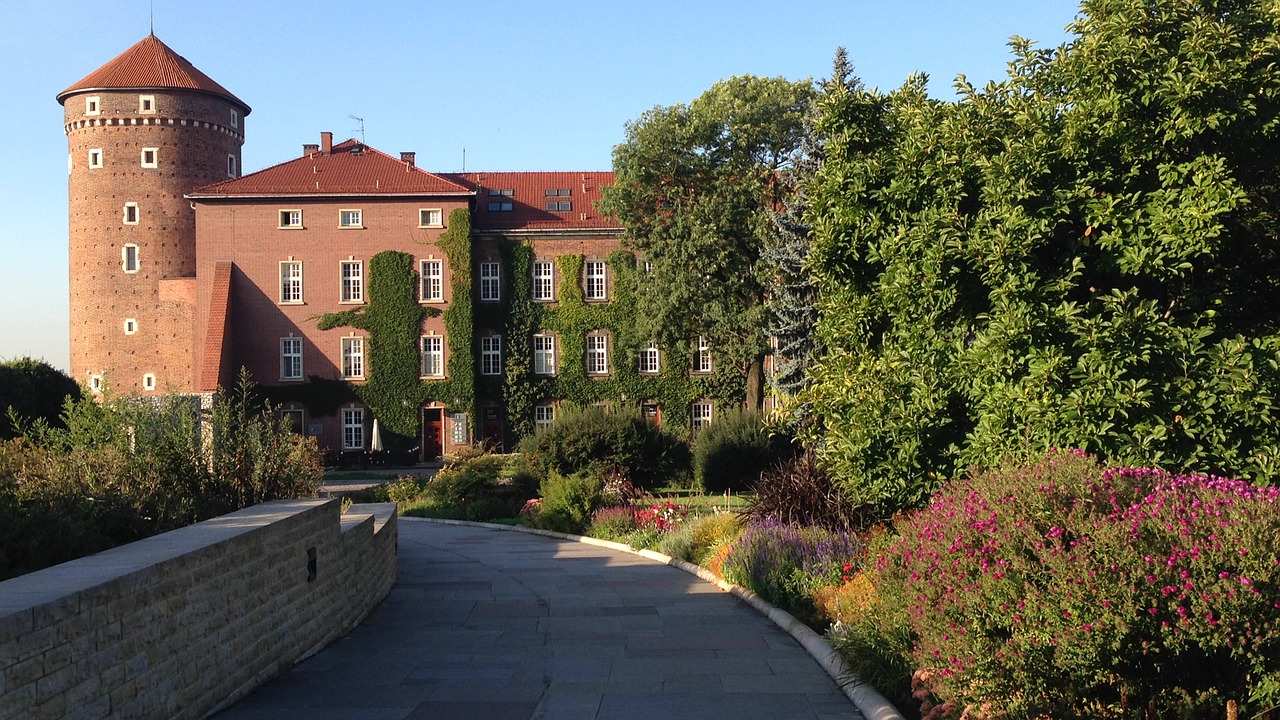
150, 64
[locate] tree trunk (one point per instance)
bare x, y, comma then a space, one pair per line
755, 384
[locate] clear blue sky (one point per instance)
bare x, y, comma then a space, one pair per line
518, 85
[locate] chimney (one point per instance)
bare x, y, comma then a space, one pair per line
310, 149
407, 158
326, 142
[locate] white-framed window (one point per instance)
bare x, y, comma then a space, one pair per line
129, 258
650, 360
147, 104
544, 414
598, 354
130, 213
490, 281
296, 419
233, 166
596, 288
430, 217
431, 280
350, 219
353, 428
544, 280
92, 105
150, 157
291, 281
95, 383
352, 281
491, 355
353, 357
235, 118
291, 358
130, 326
701, 414
95, 158
432, 356
149, 382
702, 358
291, 219
544, 354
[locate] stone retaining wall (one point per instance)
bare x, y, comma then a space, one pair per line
181, 624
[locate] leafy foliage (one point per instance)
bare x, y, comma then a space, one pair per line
1062, 589
568, 501
32, 391
802, 492
604, 444
786, 564
731, 453
1082, 255
693, 184
123, 469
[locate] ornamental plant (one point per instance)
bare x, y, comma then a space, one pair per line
1065, 589
786, 564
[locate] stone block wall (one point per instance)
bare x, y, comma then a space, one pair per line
181, 624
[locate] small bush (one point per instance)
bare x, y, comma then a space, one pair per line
619, 444
614, 523
1091, 592
801, 492
786, 564
405, 489
477, 487
731, 453
568, 501
696, 538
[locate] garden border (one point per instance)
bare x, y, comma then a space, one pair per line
865, 698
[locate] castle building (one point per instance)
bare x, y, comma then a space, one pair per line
352, 285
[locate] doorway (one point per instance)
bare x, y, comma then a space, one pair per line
432, 433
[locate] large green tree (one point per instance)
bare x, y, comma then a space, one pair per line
1084, 254
693, 186
32, 390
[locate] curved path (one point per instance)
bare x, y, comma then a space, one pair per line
485, 624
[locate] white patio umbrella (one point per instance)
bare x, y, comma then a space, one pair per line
375, 438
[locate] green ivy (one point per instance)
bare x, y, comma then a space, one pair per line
571, 318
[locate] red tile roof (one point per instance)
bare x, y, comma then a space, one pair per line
529, 197
350, 169
150, 64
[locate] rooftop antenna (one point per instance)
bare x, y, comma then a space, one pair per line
361, 121
153, 18
464, 159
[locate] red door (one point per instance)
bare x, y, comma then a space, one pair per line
432, 433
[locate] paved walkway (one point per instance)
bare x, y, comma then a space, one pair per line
485, 624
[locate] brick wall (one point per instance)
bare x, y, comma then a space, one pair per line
192, 136
178, 625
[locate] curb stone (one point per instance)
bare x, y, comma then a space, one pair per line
865, 698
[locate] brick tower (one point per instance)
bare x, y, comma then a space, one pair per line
143, 131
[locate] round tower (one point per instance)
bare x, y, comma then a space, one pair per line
142, 131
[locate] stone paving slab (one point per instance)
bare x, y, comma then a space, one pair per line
484, 624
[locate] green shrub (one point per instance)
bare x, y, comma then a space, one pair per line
731, 453
607, 444
1092, 592
568, 501
478, 487
32, 391
123, 469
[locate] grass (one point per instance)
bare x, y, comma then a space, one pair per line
699, 502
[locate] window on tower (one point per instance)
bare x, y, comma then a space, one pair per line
92, 106
233, 166
131, 213
150, 157
95, 158
147, 104
129, 258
